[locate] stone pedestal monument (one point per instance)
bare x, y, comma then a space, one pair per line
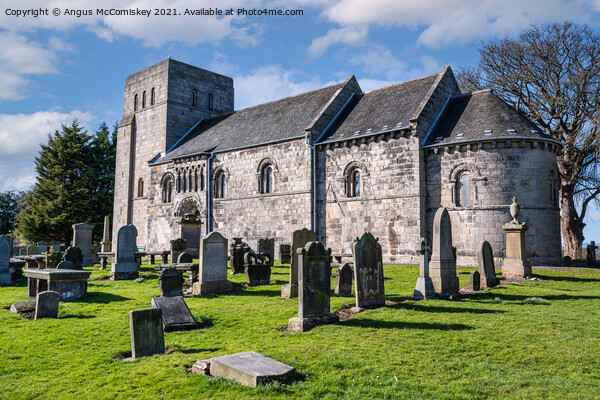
299, 239
515, 260
442, 267
106, 243
82, 238
424, 288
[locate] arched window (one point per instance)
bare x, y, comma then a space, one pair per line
220, 185
152, 97
135, 102
353, 183
167, 189
195, 180
190, 183
266, 179
210, 102
194, 98
202, 179
462, 190
144, 99
140, 191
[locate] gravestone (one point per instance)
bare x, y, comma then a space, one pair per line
23, 307
125, 266
5, 274
257, 268
485, 264
237, 256
185, 258
212, 274
299, 239
82, 238
65, 265
314, 287
285, 253
442, 267
567, 261
266, 246
177, 246
515, 259
190, 229
343, 279
46, 305
52, 258
176, 315
368, 272
475, 280
170, 283
424, 288
591, 254
74, 255
106, 243
250, 369
146, 329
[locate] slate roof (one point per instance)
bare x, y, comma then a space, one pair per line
269, 122
481, 115
380, 110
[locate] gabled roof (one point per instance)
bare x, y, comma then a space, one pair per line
481, 115
270, 122
383, 109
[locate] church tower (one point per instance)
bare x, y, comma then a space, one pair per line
161, 104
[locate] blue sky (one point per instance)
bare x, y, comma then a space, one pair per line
57, 68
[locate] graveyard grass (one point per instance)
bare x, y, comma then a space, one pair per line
535, 339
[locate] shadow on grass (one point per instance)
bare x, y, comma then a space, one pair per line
246, 292
379, 324
101, 297
194, 351
439, 309
566, 278
77, 316
479, 297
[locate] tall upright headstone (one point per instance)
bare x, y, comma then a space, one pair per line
106, 243
285, 253
368, 271
82, 238
125, 266
485, 264
299, 240
74, 255
515, 260
591, 254
146, 329
265, 245
424, 288
190, 229
343, 279
442, 267
237, 256
212, 274
5, 275
314, 269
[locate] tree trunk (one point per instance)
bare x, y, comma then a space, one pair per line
571, 225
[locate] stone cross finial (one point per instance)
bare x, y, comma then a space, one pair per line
424, 251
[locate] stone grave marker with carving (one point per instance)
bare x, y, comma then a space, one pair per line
299, 240
442, 267
212, 274
368, 272
125, 266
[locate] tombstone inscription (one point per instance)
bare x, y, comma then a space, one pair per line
368, 272
299, 240
125, 267
442, 267
212, 274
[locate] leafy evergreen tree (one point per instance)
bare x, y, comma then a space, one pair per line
10, 203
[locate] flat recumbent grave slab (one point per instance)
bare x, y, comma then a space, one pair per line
250, 368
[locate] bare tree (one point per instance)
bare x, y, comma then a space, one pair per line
551, 74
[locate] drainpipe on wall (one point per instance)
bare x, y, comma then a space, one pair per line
313, 210
208, 196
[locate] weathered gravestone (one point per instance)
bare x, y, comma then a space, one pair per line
46, 305
23, 307
250, 369
177, 246
170, 283
567, 261
146, 329
299, 239
125, 266
475, 280
5, 274
185, 258
343, 279
52, 258
74, 255
285, 253
257, 268
442, 267
515, 260
314, 287
82, 238
424, 288
485, 264
368, 272
65, 265
591, 254
176, 315
267, 246
237, 256
212, 274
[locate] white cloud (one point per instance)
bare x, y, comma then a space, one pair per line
352, 35
221, 65
379, 60
21, 136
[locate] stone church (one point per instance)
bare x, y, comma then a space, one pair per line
338, 160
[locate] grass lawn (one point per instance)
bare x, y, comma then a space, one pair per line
497, 344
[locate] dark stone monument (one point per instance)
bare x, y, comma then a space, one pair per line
368, 272
82, 238
314, 287
266, 246
170, 282
285, 253
299, 239
190, 230
591, 254
5, 274
146, 328
212, 274
424, 288
46, 305
237, 256
567, 261
65, 265
343, 279
475, 278
176, 315
125, 266
185, 258
250, 368
257, 268
74, 255
485, 264
52, 258
177, 246
442, 267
